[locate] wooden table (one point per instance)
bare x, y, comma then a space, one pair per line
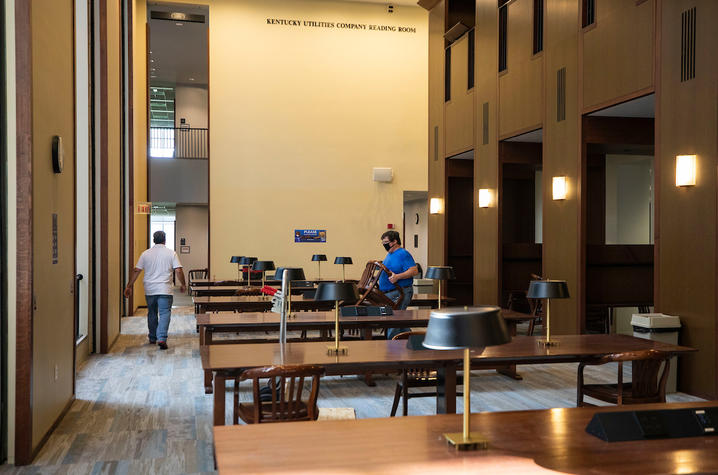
519, 442
258, 303
227, 361
219, 290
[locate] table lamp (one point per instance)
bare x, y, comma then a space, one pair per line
263, 266
548, 289
343, 261
466, 328
278, 274
247, 262
440, 273
293, 273
318, 258
235, 260
337, 291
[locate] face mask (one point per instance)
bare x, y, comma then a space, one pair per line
387, 246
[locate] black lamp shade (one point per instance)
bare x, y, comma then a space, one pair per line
247, 261
263, 265
319, 257
343, 260
457, 328
235, 259
440, 273
336, 291
278, 273
293, 273
548, 289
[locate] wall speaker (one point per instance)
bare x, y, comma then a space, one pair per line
383, 175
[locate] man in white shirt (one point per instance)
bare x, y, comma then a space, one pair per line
159, 263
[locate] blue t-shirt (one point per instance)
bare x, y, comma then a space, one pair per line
398, 261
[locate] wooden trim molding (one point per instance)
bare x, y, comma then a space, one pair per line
104, 202
428, 4
24, 295
131, 142
619, 100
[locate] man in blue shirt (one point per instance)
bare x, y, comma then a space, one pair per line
403, 269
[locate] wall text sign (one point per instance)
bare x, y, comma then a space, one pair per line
339, 25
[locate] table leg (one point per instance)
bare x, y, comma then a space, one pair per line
446, 389
202, 330
510, 371
219, 399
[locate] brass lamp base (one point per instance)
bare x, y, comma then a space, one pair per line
474, 442
341, 350
548, 343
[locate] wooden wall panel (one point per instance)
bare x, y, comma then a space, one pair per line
521, 87
435, 154
53, 195
486, 156
561, 152
460, 109
687, 123
618, 52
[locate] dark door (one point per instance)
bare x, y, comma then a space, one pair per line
460, 228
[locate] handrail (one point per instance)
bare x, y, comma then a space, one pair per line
179, 142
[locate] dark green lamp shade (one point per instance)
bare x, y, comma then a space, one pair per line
247, 261
440, 273
343, 260
346, 291
319, 257
278, 273
263, 265
235, 259
547, 289
458, 328
293, 273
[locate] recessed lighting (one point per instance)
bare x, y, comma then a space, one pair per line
153, 76
152, 60
179, 24
191, 79
154, 89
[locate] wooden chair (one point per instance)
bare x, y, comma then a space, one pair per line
519, 302
194, 274
287, 385
368, 287
413, 378
647, 386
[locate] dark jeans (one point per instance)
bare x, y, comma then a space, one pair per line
394, 295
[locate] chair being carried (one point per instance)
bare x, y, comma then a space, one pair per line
647, 385
368, 287
195, 274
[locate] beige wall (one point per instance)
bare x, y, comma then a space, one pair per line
53, 114
298, 120
192, 224
622, 43
191, 104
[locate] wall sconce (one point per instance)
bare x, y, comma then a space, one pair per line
484, 198
559, 188
436, 206
685, 170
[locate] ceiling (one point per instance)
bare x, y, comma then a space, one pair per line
640, 107
406, 3
535, 136
178, 50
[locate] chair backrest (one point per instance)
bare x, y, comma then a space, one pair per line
414, 372
646, 381
197, 274
420, 275
287, 385
518, 302
368, 287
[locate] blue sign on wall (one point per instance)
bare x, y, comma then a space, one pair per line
310, 235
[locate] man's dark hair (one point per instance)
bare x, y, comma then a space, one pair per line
159, 237
392, 235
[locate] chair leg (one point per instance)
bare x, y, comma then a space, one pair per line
405, 394
235, 415
531, 326
395, 404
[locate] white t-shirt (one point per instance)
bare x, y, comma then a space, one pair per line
158, 262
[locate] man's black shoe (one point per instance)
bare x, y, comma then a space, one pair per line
162, 345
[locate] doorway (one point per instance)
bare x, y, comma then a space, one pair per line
618, 149
521, 212
460, 226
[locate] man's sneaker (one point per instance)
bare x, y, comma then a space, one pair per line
152, 342
162, 345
